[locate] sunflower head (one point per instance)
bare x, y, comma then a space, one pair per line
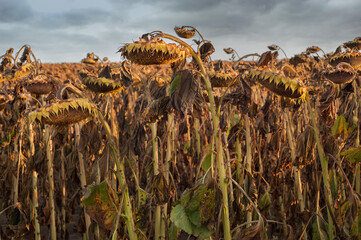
353, 58
153, 51
354, 44
102, 85
344, 73
185, 31
39, 84
64, 112
222, 78
279, 83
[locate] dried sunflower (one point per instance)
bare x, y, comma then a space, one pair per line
185, 31
353, 58
102, 85
39, 84
153, 51
64, 112
222, 78
279, 84
356, 43
344, 73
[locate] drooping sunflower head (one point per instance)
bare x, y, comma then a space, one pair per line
343, 73
106, 82
102, 85
39, 84
185, 31
279, 83
356, 43
153, 51
353, 58
64, 112
222, 78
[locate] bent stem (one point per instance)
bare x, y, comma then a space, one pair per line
215, 117
324, 166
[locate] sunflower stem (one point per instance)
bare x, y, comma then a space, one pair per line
215, 117
324, 166
82, 174
127, 208
49, 156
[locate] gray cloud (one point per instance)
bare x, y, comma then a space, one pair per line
14, 11
246, 25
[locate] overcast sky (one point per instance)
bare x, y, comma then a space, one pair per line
64, 31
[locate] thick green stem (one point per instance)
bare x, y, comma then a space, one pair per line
324, 166
215, 118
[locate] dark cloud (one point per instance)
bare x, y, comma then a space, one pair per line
14, 11
245, 25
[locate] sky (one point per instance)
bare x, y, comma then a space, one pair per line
65, 31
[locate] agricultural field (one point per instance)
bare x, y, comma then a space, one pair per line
170, 144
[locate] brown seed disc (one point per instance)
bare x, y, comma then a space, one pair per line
339, 76
39, 87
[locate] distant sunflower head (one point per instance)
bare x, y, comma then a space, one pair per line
102, 85
185, 31
343, 73
153, 51
353, 58
105, 82
39, 84
279, 83
64, 112
222, 78
356, 43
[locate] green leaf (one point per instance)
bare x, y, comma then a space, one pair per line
207, 162
356, 225
174, 84
142, 197
340, 126
101, 204
179, 217
352, 154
